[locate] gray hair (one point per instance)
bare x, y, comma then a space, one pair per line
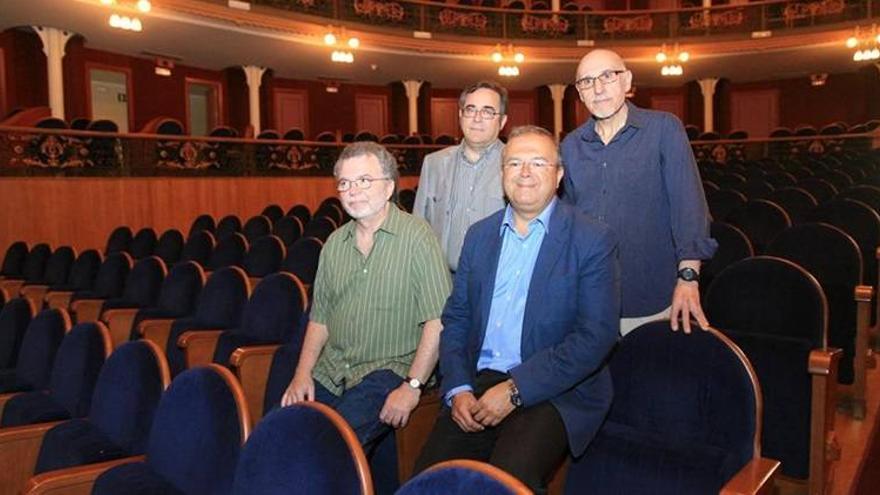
371, 148
490, 85
534, 130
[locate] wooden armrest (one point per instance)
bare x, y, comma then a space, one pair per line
412, 437
156, 331
824, 448
755, 478
198, 346
119, 323
59, 299
4, 398
251, 365
34, 294
254, 281
19, 448
12, 287
76, 480
87, 310
854, 401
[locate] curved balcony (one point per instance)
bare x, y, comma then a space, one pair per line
533, 20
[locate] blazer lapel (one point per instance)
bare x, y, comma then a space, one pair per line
488, 267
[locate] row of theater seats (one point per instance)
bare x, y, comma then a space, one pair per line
833, 129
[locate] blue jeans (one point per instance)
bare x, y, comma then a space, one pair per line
361, 404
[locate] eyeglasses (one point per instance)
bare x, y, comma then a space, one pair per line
361, 183
486, 113
535, 164
607, 77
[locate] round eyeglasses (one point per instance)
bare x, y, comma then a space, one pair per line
361, 183
486, 113
606, 77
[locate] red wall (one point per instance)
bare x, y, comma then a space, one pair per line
26, 84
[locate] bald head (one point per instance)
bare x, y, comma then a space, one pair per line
602, 81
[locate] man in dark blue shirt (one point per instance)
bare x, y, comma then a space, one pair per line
634, 170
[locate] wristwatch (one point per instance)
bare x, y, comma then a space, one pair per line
414, 383
689, 275
515, 398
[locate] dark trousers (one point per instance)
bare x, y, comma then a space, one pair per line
530, 443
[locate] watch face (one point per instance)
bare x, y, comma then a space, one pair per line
688, 274
414, 383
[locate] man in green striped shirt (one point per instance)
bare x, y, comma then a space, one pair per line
374, 330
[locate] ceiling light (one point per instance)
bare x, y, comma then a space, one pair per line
852, 42
497, 57
329, 39
684, 56
108, 2
144, 6
519, 57
354, 43
660, 57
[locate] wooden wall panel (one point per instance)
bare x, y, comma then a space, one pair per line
371, 113
754, 111
292, 110
673, 104
520, 111
444, 117
81, 212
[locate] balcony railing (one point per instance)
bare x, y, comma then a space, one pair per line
516, 20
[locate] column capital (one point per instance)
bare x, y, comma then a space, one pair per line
412, 88
253, 74
54, 39
707, 85
557, 91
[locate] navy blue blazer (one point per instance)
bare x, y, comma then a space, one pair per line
571, 321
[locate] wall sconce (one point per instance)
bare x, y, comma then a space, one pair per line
125, 22
820, 79
342, 52
672, 60
508, 60
868, 44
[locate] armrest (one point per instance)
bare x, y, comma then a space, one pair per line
755, 478
76, 480
34, 294
198, 346
156, 331
19, 448
4, 398
87, 310
12, 286
824, 448
59, 299
251, 366
254, 281
855, 397
119, 323
412, 437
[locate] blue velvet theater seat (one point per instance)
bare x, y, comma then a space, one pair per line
14, 319
202, 222
229, 251
110, 279
199, 247
272, 315
74, 374
170, 246
256, 227
13, 260
194, 443
143, 243
118, 240
228, 225
462, 477
220, 306
273, 212
142, 285
777, 313
305, 448
126, 396
301, 212
41, 341
288, 229
302, 259
264, 256
177, 297
684, 419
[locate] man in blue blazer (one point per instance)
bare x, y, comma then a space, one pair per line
533, 314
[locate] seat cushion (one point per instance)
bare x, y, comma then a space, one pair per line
7, 381
32, 407
623, 460
229, 341
74, 443
133, 479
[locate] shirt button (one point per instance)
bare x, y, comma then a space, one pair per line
348, 366
365, 270
497, 354
604, 164
472, 188
602, 217
498, 324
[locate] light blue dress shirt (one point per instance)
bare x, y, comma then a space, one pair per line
502, 342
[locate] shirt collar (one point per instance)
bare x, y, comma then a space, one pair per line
391, 224
543, 218
635, 117
488, 150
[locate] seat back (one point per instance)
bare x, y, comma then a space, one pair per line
229, 251
302, 212
833, 257
144, 282
306, 448
223, 298
256, 227
199, 247
302, 259
464, 476
288, 229
110, 280
58, 266
820, 189
84, 270
273, 212
723, 202
861, 222
170, 246
275, 310
143, 243
14, 319
264, 256
181, 288
127, 394
198, 430
75, 371
39, 345
227, 226
685, 416
870, 195
34, 268
202, 222
797, 202
13, 260
760, 220
733, 245
777, 313
119, 240
320, 228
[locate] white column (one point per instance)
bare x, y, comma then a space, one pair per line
557, 92
555, 5
54, 42
254, 76
707, 86
412, 96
